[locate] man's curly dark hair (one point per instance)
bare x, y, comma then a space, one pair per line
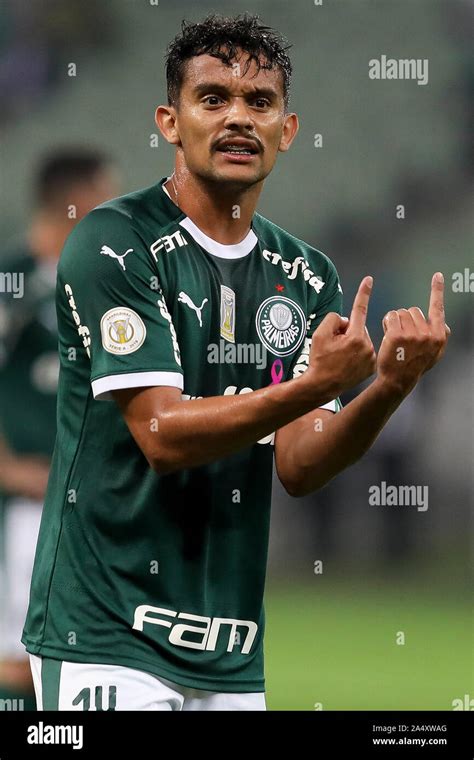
221, 36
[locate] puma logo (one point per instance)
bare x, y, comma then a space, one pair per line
184, 298
106, 251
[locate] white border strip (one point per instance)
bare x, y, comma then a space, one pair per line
101, 388
236, 251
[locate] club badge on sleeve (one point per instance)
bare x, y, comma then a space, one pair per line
122, 330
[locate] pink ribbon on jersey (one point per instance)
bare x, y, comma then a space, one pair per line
277, 372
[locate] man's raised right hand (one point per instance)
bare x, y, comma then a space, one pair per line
342, 354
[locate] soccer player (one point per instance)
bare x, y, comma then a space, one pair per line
149, 575
68, 184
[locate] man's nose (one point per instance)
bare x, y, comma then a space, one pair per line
239, 114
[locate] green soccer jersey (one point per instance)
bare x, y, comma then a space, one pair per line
28, 352
165, 573
29, 363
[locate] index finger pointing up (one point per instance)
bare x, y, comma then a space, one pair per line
360, 306
436, 307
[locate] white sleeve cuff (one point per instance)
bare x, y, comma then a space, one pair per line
101, 388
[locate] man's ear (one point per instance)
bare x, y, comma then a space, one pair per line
166, 121
291, 126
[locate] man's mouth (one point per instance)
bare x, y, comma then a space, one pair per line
238, 148
238, 151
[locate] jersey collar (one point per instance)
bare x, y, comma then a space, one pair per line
234, 251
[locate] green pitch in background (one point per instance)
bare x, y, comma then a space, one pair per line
338, 646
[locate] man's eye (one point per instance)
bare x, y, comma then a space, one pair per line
214, 98
262, 102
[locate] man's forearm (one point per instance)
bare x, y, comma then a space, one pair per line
319, 452
196, 432
175, 434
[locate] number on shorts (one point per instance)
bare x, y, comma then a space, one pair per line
84, 696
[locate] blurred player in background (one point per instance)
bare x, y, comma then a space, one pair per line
69, 183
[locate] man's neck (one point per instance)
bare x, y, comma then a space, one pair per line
47, 235
223, 215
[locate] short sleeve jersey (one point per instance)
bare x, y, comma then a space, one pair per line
165, 573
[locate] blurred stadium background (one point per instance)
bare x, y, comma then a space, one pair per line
331, 640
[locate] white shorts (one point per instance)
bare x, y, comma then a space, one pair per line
61, 685
22, 521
